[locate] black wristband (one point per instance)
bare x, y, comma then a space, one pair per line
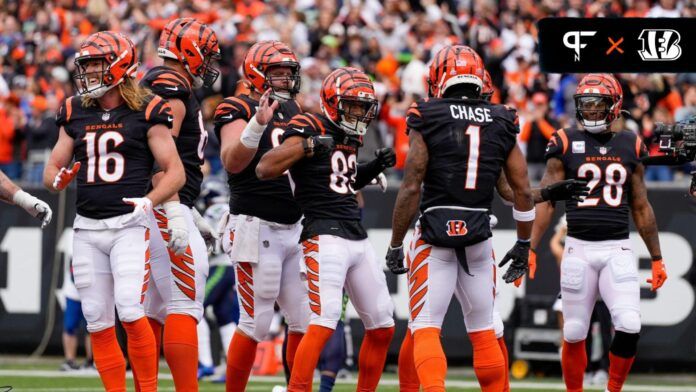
545, 194
656, 258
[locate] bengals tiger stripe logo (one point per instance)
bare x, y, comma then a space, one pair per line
456, 228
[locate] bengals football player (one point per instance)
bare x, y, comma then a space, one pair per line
189, 49
115, 131
248, 126
321, 153
598, 258
459, 143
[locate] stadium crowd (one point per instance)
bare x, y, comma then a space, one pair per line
391, 39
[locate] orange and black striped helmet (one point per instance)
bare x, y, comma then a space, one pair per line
194, 45
118, 59
598, 94
263, 56
348, 99
453, 65
488, 89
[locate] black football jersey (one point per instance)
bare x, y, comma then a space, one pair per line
607, 162
324, 183
112, 147
269, 200
468, 143
193, 137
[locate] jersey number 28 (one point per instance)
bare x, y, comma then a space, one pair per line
612, 191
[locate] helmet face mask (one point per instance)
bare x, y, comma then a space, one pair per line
207, 72
356, 114
598, 99
283, 80
99, 68
195, 46
593, 110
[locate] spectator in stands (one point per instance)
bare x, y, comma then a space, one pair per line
535, 134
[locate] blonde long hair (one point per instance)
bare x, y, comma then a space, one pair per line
134, 94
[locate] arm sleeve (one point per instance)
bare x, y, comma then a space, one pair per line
158, 111
366, 173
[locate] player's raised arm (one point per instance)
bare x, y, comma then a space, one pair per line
275, 162
161, 144
558, 191
644, 218
407, 199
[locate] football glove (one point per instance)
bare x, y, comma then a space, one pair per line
64, 176
177, 228
380, 180
34, 206
395, 260
566, 190
386, 158
141, 207
532, 268
519, 255
210, 235
659, 275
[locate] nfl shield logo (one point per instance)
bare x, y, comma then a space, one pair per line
603, 150
105, 116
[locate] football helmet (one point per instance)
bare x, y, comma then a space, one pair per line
194, 45
598, 100
453, 65
265, 56
103, 62
488, 90
348, 99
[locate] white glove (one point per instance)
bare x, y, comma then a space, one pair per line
34, 206
141, 207
177, 227
210, 235
380, 180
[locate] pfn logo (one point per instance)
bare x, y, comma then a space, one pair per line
660, 45
456, 228
575, 44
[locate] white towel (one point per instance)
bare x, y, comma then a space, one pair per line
245, 247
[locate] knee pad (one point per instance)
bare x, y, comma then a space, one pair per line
574, 330
498, 326
624, 344
95, 313
129, 307
258, 326
627, 321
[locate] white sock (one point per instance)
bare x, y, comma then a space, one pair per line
226, 332
205, 356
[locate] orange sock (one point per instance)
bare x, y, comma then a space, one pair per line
141, 353
181, 350
157, 331
309, 350
573, 362
373, 353
294, 339
489, 364
408, 377
503, 348
240, 359
429, 359
109, 360
618, 371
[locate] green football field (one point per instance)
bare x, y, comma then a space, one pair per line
41, 375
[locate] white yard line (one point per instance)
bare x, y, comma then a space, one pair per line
542, 386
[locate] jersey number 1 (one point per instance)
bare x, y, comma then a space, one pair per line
474, 133
98, 157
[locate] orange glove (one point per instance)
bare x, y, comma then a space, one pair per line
659, 274
64, 176
532, 267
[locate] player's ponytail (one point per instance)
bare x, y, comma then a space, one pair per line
134, 94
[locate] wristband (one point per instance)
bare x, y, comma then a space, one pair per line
23, 199
523, 216
251, 135
656, 258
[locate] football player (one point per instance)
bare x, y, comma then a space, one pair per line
321, 153
597, 258
263, 229
12, 194
116, 130
458, 146
175, 300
